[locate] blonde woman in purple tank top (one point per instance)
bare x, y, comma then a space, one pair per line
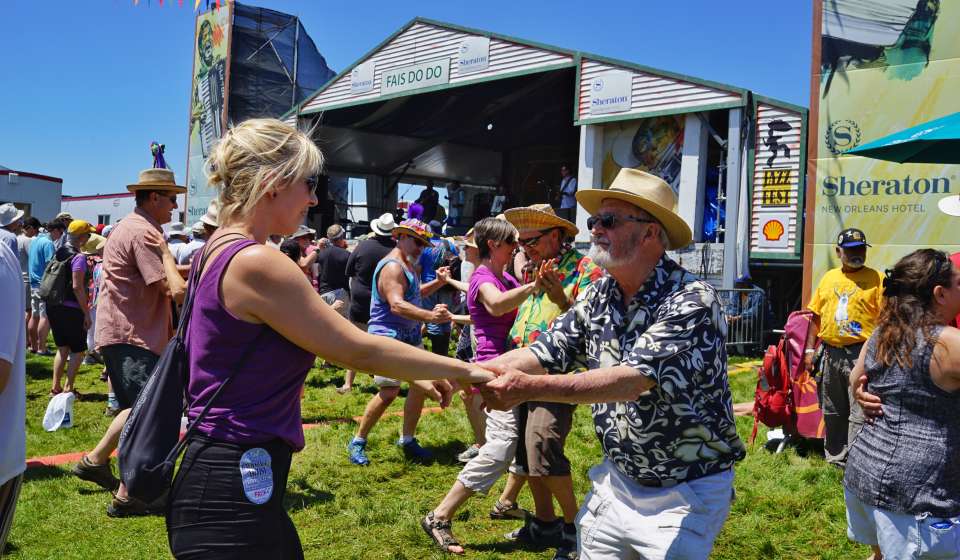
227, 497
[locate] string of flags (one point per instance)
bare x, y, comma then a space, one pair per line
196, 3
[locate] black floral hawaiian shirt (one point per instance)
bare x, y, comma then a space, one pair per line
674, 332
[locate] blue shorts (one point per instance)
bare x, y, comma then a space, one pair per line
902, 535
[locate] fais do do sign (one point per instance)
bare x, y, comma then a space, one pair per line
425, 74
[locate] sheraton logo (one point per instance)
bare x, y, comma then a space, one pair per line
844, 186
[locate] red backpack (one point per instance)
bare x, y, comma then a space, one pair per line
773, 400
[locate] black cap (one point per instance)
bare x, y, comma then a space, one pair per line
852, 237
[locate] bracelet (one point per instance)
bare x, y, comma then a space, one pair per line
810, 351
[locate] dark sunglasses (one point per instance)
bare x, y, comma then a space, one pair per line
417, 240
171, 197
530, 242
609, 221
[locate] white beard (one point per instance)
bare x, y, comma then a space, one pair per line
602, 257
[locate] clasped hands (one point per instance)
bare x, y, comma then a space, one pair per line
548, 281
502, 388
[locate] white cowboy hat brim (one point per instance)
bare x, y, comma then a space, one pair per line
16, 217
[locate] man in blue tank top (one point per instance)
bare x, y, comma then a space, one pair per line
395, 312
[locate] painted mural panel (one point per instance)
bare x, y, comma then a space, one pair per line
885, 65
208, 103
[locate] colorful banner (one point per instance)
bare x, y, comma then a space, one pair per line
654, 145
208, 105
885, 65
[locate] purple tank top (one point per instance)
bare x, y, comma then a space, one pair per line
262, 401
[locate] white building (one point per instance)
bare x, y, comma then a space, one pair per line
108, 208
37, 195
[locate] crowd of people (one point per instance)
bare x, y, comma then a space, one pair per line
643, 337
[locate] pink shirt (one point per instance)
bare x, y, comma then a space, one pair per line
133, 306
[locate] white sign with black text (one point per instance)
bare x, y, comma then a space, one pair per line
425, 74
611, 93
474, 55
361, 77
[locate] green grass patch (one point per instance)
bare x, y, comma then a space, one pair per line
787, 506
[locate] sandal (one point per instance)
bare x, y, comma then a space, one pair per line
55, 392
501, 511
439, 532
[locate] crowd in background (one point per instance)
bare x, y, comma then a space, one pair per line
512, 299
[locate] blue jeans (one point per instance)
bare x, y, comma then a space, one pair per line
903, 536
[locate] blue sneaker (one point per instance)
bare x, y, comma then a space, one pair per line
358, 453
414, 452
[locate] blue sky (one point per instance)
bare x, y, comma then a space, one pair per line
88, 85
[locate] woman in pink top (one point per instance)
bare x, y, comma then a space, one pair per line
493, 299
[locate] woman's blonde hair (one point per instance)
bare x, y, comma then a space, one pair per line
255, 155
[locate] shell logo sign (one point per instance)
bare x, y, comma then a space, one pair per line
773, 231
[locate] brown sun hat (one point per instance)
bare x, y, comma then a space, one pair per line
538, 217
156, 179
647, 192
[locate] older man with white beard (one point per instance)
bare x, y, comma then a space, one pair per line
651, 336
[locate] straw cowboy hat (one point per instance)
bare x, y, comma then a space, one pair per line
383, 225
156, 180
94, 245
469, 240
414, 228
211, 218
539, 217
647, 192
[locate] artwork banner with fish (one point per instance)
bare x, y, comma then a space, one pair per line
884, 65
207, 103
654, 145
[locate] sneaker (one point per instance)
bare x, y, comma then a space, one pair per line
470, 453
358, 453
132, 507
538, 533
568, 548
414, 452
89, 361
111, 411
98, 474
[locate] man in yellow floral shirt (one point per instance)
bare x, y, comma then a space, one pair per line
544, 426
847, 304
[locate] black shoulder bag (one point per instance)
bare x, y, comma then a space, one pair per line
150, 443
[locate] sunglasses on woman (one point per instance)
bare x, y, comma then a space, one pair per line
610, 221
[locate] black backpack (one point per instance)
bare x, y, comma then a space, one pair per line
149, 443
57, 280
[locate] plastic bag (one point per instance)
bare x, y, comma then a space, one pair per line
59, 412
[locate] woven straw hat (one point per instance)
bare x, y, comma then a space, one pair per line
93, 245
416, 228
538, 217
157, 179
647, 192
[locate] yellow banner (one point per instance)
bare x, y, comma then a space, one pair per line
885, 66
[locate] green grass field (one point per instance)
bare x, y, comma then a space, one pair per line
787, 506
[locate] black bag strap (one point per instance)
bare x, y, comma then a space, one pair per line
184, 319
194, 279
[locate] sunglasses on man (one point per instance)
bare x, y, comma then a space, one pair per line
610, 221
531, 241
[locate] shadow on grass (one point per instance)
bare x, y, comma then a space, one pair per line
38, 368
446, 453
300, 495
43, 472
505, 547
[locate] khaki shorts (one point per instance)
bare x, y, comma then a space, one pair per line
543, 433
387, 382
341, 295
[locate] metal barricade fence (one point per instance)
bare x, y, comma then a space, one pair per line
746, 311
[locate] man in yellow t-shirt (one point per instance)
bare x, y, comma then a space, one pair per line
846, 304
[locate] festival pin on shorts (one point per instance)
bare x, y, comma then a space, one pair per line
257, 475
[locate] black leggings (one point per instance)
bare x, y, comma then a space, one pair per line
210, 515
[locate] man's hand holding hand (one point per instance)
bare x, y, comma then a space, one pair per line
510, 388
870, 403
